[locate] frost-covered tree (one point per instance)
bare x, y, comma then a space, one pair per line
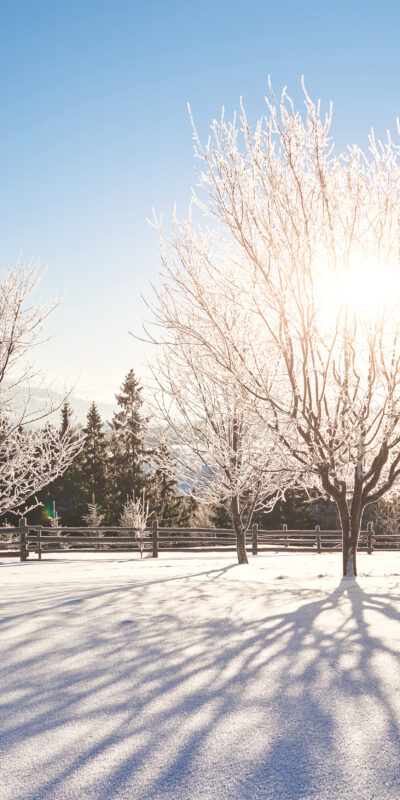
307, 241
30, 457
222, 449
135, 515
94, 516
55, 520
29, 460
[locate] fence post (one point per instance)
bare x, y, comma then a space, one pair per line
155, 538
24, 552
370, 530
318, 538
39, 544
284, 527
254, 541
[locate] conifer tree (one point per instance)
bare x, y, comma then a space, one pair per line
70, 491
94, 516
220, 515
66, 418
128, 453
169, 507
295, 510
94, 454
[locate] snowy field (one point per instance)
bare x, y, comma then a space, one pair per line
191, 678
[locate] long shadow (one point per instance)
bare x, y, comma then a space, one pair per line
200, 687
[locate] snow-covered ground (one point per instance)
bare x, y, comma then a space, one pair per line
192, 678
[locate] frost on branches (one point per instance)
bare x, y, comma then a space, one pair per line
135, 514
29, 458
222, 448
304, 243
94, 516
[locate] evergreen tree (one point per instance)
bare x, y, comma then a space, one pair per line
221, 516
167, 505
66, 418
94, 516
93, 458
295, 511
70, 492
127, 476
71, 495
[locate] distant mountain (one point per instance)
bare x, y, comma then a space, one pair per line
39, 396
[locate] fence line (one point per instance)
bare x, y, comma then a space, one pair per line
35, 539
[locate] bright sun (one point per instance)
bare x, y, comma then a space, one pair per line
367, 290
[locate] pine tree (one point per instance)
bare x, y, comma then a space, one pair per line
221, 516
93, 458
168, 506
94, 516
295, 511
70, 492
128, 454
66, 418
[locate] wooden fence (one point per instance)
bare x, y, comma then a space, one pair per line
20, 542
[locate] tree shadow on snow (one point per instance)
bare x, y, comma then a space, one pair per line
201, 687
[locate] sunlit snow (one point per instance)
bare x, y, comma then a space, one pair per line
194, 678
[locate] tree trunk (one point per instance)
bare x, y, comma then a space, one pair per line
350, 534
241, 546
240, 532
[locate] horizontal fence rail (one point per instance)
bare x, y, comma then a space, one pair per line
20, 542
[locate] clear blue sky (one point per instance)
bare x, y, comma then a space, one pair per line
95, 132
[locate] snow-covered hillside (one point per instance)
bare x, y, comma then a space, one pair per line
192, 678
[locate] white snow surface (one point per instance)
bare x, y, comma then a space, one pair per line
190, 677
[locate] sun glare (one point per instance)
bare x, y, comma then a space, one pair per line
366, 289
